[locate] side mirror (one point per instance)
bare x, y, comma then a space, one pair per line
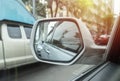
57, 41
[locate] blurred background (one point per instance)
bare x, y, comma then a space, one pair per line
98, 15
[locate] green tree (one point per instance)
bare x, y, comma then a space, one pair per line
100, 15
40, 9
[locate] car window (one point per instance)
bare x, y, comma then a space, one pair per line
39, 35
14, 31
67, 36
28, 31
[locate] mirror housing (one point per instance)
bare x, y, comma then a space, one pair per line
63, 41
66, 44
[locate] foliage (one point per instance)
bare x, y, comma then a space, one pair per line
99, 15
39, 7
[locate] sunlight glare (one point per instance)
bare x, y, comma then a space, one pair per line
116, 7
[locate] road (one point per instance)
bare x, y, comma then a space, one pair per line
43, 72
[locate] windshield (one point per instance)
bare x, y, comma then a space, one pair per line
17, 62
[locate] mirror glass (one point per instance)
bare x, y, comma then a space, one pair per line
57, 40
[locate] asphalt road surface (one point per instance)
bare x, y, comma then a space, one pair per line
43, 72
48, 72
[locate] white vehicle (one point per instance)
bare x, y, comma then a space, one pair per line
15, 30
15, 45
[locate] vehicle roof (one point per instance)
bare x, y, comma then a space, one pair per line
14, 10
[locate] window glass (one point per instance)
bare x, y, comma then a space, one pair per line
67, 36
14, 31
50, 32
40, 36
49, 37
37, 37
28, 31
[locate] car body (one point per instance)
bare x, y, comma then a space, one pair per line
102, 39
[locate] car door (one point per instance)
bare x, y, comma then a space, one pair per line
29, 55
13, 43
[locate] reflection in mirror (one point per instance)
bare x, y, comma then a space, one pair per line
57, 40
